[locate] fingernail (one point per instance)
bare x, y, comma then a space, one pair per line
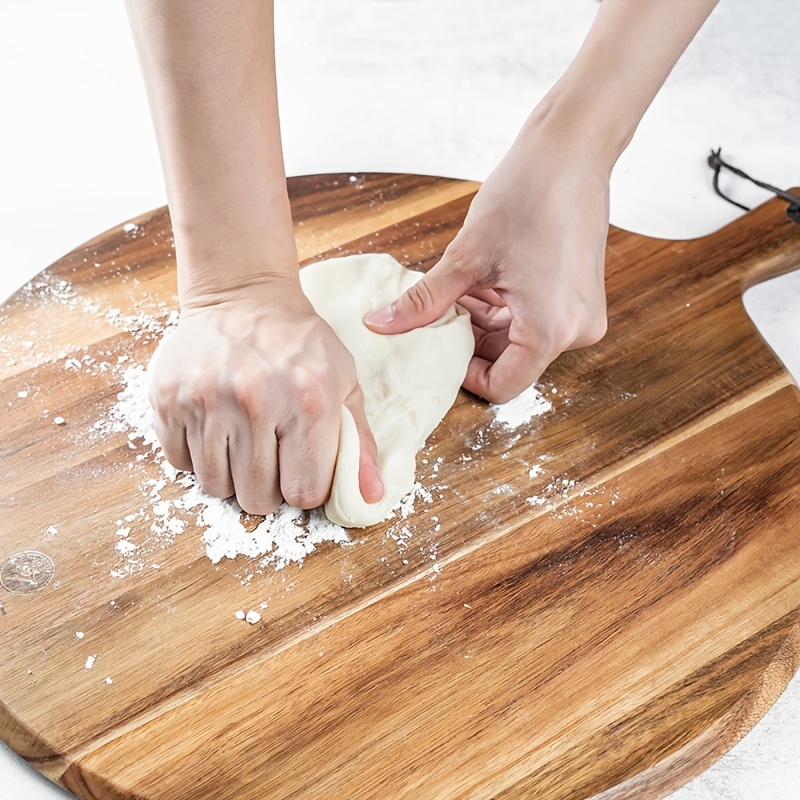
373, 492
380, 316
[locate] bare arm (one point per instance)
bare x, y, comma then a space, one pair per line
249, 389
209, 69
628, 53
529, 262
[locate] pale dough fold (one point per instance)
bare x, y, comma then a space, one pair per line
410, 380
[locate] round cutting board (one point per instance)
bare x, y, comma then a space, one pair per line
600, 599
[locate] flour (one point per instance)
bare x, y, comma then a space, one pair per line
38, 345
406, 507
522, 409
284, 537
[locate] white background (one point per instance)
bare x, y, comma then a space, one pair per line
429, 86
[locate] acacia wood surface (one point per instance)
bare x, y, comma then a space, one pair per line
598, 603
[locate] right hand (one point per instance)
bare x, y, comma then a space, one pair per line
248, 392
527, 264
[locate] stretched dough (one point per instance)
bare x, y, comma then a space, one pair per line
410, 380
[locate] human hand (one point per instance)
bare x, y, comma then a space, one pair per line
248, 393
528, 264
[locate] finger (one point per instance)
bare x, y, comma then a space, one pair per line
307, 450
502, 380
490, 345
426, 300
208, 445
369, 477
172, 438
485, 315
489, 296
170, 431
253, 457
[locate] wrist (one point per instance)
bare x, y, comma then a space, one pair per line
217, 283
580, 121
227, 255
240, 286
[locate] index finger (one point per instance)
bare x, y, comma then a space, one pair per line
502, 380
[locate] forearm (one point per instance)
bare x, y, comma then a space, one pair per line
626, 57
209, 69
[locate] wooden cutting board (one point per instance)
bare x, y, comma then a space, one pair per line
598, 603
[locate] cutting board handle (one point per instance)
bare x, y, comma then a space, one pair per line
762, 244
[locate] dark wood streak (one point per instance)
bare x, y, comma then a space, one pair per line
417, 242
716, 689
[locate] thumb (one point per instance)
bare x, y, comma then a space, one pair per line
425, 301
369, 476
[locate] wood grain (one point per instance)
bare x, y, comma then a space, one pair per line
599, 604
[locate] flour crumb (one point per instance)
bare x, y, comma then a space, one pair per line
90, 662
240, 614
252, 617
407, 503
125, 547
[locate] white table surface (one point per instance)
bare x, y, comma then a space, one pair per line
428, 86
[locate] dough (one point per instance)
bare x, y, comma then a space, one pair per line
410, 380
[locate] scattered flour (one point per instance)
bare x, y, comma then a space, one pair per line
286, 536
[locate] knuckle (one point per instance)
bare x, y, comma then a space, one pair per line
304, 496
578, 331
197, 395
502, 394
163, 397
468, 258
458, 255
311, 395
562, 337
215, 486
258, 505
553, 339
419, 296
247, 390
177, 458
